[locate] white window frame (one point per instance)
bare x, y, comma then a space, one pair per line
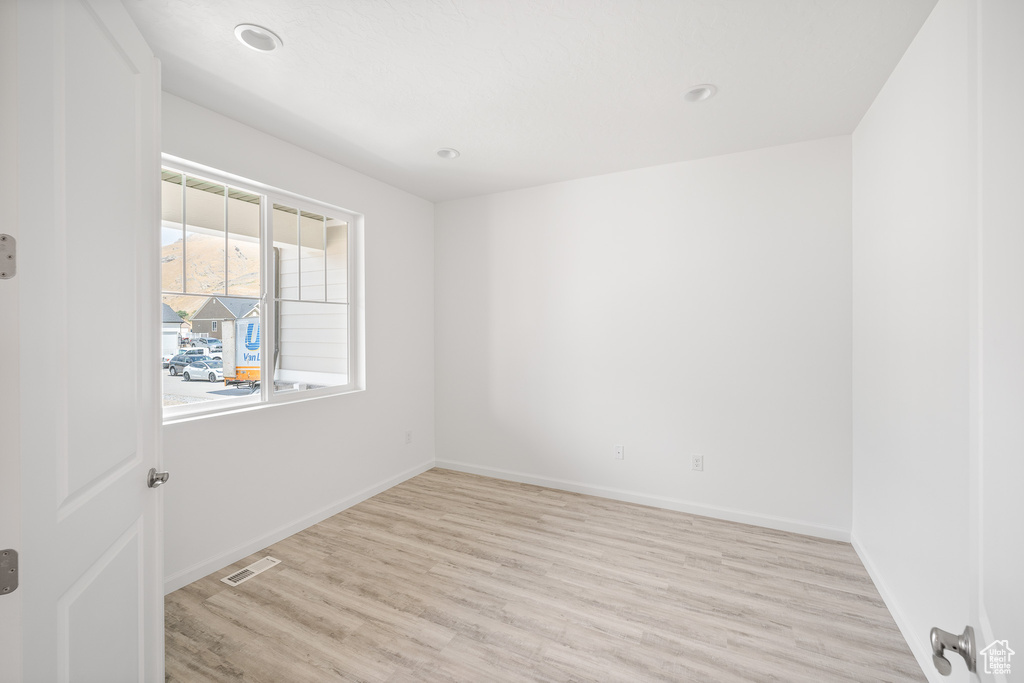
213, 326
268, 303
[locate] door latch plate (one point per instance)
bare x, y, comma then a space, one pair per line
8, 571
8, 258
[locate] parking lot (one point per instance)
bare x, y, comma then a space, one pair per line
179, 392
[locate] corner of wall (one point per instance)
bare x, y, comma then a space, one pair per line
795, 526
919, 645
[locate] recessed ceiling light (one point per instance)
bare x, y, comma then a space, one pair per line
699, 93
257, 37
448, 153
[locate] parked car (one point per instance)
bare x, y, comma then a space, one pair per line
209, 342
204, 351
183, 360
212, 370
166, 358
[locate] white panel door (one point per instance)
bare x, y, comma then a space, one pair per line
999, 472
10, 452
88, 162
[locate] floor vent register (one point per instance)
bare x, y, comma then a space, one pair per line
257, 567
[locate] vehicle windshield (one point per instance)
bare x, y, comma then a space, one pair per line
215, 364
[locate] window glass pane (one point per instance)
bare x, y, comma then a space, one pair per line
204, 236
313, 342
312, 258
213, 285
337, 260
171, 232
243, 243
286, 247
191, 329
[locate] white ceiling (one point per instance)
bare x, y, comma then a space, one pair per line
531, 91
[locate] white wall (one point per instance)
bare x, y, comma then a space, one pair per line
244, 480
913, 217
694, 308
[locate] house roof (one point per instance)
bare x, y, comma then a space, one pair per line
170, 316
238, 307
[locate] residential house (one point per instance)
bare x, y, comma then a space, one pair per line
173, 329
217, 311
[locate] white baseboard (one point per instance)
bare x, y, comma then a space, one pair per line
918, 644
217, 562
757, 519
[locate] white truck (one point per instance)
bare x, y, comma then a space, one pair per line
170, 346
242, 351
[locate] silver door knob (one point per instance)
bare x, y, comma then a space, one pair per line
962, 644
157, 478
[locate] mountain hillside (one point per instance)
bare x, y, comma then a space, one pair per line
204, 270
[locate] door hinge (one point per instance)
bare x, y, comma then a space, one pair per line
8, 571
8, 257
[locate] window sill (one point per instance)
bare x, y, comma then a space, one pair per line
203, 411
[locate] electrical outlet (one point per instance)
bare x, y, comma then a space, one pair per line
408, 437
619, 452
697, 463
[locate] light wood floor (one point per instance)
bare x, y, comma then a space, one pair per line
455, 577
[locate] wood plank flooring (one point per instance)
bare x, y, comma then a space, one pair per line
456, 577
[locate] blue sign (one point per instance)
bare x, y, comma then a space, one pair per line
250, 343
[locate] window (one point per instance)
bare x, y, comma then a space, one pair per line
266, 272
